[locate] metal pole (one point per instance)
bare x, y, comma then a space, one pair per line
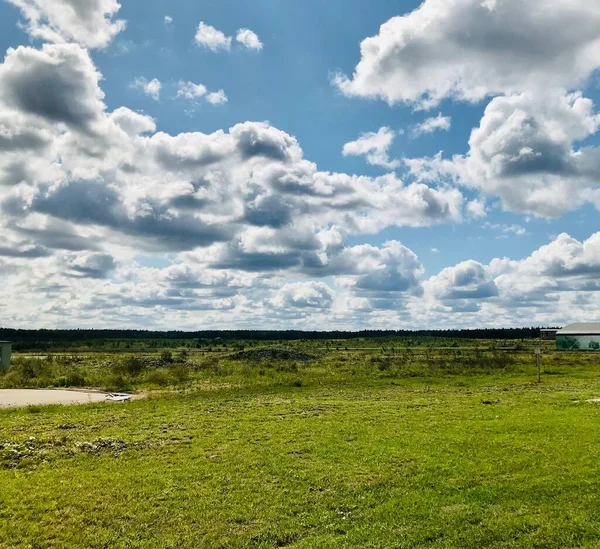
538, 357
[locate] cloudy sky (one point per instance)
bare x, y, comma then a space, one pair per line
300, 164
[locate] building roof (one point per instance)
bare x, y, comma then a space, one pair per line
581, 328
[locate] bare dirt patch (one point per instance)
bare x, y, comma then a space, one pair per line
14, 398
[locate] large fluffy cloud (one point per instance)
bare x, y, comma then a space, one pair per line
551, 286
530, 55
361, 286
462, 287
525, 151
469, 49
183, 191
564, 265
58, 83
300, 295
90, 23
107, 221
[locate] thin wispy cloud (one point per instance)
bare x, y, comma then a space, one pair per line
433, 124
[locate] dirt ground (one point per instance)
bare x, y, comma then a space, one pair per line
13, 398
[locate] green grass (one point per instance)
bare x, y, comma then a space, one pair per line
362, 358
414, 454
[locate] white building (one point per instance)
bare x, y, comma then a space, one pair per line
579, 336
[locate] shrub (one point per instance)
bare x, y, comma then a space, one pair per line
384, 365
72, 379
211, 364
133, 365
28, 368
13, 378
118, 383
180, 372
183, 355
158, 377
27, 372
129, 366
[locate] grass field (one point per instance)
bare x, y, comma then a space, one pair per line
436, 447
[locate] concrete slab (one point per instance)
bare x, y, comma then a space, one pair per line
14, 398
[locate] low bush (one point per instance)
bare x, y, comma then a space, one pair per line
73, 379
180, 372
158, 377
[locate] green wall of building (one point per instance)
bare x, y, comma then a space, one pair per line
578, 342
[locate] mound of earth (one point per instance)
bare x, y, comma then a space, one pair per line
257, 355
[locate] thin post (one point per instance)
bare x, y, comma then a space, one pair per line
538, 358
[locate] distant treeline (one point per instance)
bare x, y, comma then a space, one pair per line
56, 336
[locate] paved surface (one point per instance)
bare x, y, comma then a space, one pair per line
13, 398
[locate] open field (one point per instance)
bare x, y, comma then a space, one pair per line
415, 446
236, 362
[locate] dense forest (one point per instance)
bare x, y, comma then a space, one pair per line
43, 338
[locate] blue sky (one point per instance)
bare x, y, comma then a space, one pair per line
467, 225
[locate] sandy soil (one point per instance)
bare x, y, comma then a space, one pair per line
13, 398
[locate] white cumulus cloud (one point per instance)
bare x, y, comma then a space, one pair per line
525, 153
249, 39
469, 49
90, 23
300, 295
217, 98
211, 38
374, 146
189, 90
150, 87
258, 235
